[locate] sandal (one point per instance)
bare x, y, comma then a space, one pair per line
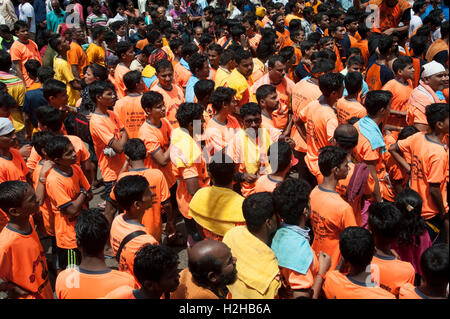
176, 239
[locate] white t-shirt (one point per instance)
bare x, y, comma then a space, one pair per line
416, 22
26, 11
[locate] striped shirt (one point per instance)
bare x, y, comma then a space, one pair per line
93, 20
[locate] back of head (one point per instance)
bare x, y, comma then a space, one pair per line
5, 61
196, 62
7, 101
377, 100
287, 53
188, 49
330, 82
152, 262
280, 156
131, 80
240, 55
32, 66
203, 88
385, 221
265, 90
418, 44
331, 157
122, 47
92, 232
49, 116
187, 113
314, 37
401, 62
353, 82
257, 208
150, 99
97, 30
130, 189
409, 203
407, 131
385, 44
355, 60
44, 73
221, 168
97, 88
51, 87
226, 57
40, 140
264, 50
222, 95
357, 246
346, 136
110, 37
435, 266
291, 198
436, 112
12, 194
135, 149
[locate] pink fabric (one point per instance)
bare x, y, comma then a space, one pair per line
412, 253
365, 214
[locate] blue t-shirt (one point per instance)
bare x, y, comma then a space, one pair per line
33, 99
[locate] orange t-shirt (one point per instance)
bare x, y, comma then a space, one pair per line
104, 129
339, 286
158, 185
339, 65
218, 135
130, 113
13, 169
409, 291
330, 214
46, 208
395, 172
158, 138
120, 228
124, 292
399, 102
90, 284
22, 262
77, 56
62, 190
389, 17
268, 124
392, 272
284, 38
181, 75
22, 53
172, 100
265, 184
119, 72
320, 121
254, 41
297, 281
429, 165
363, 45
348, 108
141, 44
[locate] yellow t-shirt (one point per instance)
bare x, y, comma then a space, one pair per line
221, 75
238, 82
63, 73
16, 88
96, 54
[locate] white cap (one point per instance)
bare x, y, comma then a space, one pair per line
432, 68
6, 126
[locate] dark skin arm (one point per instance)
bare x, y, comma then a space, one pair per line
373, 172
436, 196
170, 226
399, 158
18, 68
117, 145
74, 208
192, 185
88, 169
422, 127
160, 157
300, 125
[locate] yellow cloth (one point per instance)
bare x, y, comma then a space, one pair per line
184, 150
257, 266
221, 76
238, 82
250, 153
18, 93
217, 209
63, 73
148, 71
96, 54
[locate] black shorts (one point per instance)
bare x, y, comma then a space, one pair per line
66, 257
108, 188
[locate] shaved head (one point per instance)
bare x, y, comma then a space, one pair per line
346, 136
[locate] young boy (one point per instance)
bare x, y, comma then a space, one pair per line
69, 192
348, 106
96, 50
267, 98
23, 267
128, 109
379, 73
435, 266
356, 64
401, 88
337, 32
203, 90
125, 53
133, 194
156, 271
357, 248
23, 50
429, 167
226, 64
385, 221
55, 92
303, 69
94, 279
32, 67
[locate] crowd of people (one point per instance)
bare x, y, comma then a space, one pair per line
297, 149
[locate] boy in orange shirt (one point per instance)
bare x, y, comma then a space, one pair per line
181, 69
125, 53
92, 278
128, 108
357, 247
337, 32
385, 221
267, 98
301, 268
348, 106
330, 214
23, 267
69, 193
133, 195
379, 73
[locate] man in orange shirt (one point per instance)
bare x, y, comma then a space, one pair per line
348, 107
172, 93
128, 109
23, 266
357, 247
330, 214
429, 168
125, 53
337, 32
181, 69
133, 195
267, 98
93, 278
281, 31
253, 37
76, 56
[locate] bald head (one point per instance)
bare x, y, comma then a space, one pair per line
206, 248
346, 136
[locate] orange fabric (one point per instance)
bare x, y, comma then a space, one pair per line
218, 135
297, 281
90, 286
445, 92
437, 46
62, 190
409, 291
154, 139
22, 262
373, 77
338, 286
389, 17
339, 65
13, 169
34, 86
158, 185
392, 272
418, 102
363, 45
254, 41
417, 70
105, 128
120, 228
119, 72
188, 289
348, 108
181, 75
429, 165
268, 123
330, 214
96, 54
284, 38
172, 100
265, 184
141, 44
76, 55
124, 292
46, 208
130, 112
399, 102
298, 55
394, 170
22, 53
170, 55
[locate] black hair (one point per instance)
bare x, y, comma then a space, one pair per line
206, 40
355, 60
295, 24
122, 47
353, 82
131, 80
385, 221
249, 108
237, 31
187, 113
349, 19
32, 66
215, 47
444, 29
203, 88
240, 55
188, 49
51, 87
307, 45
384, 44
291, 197
417, 5
4, 28
49, 116
221, 168
331, 157
97, 30
357, 246
377, 100
5, 61
333, 27
162, 65
330, 82
409, 203
418, 44
92, 231
196, 62
40, 140
19, 24
7, 101
353, 51
264, 90
326, 39
57, 147
130, 189
150, 99
276, 58
152, 262
314, 37
436, 112
175, 43
98, 88
99, 71
135, 149
153, 35
407, 131
264, 50
222, 95
401, 62
280, 156
322, 65
363, 30
116, 25
346, 136
226, 57
257, 208
110, 37
12, 194
44, 73
435, 266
